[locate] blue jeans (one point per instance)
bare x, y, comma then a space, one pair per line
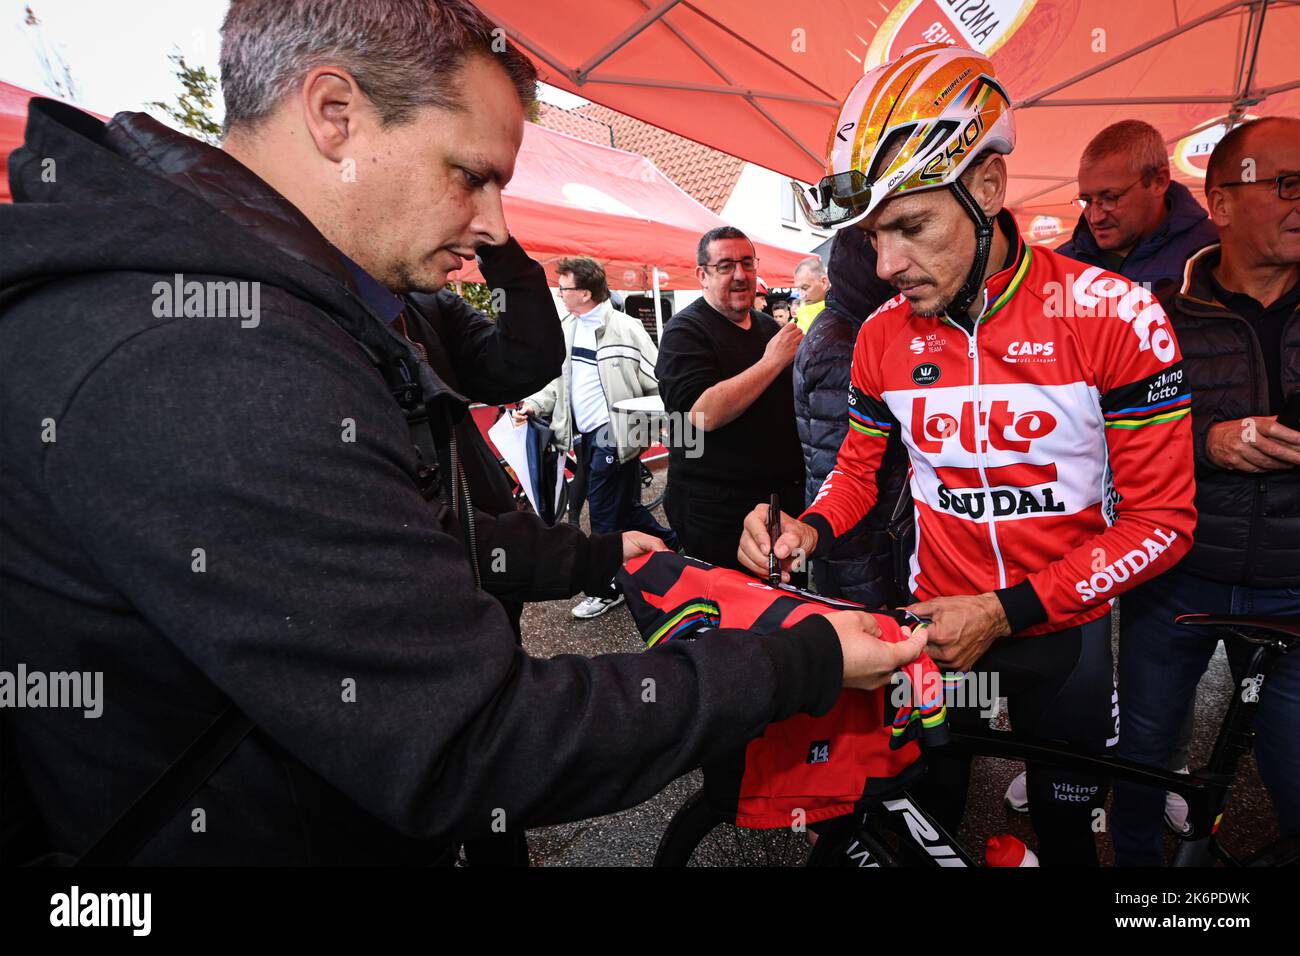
1160, 664
613, 491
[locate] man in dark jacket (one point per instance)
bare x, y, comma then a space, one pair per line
860, 566
1139, 223
1135, 220
213, 496
1237, 318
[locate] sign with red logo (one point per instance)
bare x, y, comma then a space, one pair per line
982, 25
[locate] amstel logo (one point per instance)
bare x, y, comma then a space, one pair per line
1192, 153
982, 25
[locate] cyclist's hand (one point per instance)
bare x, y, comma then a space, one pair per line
1253, 444
522, 413
782, 346
870, 662
961, 628
637, 543
796, 542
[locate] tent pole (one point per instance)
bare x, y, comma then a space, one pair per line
1239, 107
1033, 98
623, 39
538, 51
659, 314
722, 74
621, 80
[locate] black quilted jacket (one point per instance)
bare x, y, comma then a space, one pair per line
859, 568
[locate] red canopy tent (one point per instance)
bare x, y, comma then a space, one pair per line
568, 197
571, 197
762, 79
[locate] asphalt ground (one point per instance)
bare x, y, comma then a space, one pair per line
630, 838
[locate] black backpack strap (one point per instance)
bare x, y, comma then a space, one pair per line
165, 796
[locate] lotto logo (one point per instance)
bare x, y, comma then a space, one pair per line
1007, 430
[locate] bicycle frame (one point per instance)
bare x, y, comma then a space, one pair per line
923, 840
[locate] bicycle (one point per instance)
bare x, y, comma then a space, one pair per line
896, 831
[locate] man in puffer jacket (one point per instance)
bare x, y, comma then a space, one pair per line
1135, 220
860, 567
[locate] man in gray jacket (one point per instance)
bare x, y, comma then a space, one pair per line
609, 358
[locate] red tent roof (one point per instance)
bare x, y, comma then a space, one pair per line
762, 79
568, 197
572, 197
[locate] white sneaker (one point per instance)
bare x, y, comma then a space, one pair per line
1017, 797
596, 606
1176, 810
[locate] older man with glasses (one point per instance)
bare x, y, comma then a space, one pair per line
1236, 313
1135, 220
727, 367
609, 358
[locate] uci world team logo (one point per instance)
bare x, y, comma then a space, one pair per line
927, 373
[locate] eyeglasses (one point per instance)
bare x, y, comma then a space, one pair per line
561, 289
1288, 185
726, 267
1108, 202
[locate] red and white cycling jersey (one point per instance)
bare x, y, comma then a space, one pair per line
1051, 450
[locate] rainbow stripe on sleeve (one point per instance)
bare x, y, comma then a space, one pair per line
689, 617
861, 422
1141, 416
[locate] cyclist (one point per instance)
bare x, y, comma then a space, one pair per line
1045, 414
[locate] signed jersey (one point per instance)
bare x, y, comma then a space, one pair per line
868, 743
1051, 447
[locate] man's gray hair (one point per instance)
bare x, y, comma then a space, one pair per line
1141, 143
813, 264
403, 53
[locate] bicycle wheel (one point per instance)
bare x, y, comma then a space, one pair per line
699, 835
653, 501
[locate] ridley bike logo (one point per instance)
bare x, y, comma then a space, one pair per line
924, 834
919, 829
1007, 430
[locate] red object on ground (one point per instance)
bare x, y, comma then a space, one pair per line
1007, 850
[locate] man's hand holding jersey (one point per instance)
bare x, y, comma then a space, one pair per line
961, 627
868, 661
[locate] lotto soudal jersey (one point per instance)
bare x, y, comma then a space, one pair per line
1050, 446
818, 767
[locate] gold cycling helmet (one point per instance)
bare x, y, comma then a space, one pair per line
912, 124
